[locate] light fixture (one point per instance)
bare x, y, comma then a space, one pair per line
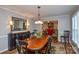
11, 23
39, 18
28, 24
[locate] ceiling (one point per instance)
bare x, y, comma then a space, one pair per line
45, 10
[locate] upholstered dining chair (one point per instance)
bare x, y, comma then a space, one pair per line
24, 35
27, 34
18, 47
21, 46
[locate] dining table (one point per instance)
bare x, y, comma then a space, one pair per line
36, 44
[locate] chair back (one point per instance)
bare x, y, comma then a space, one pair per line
18, 45
49, 45
28, 34
66, 33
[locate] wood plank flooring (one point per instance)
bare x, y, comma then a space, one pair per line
59, 49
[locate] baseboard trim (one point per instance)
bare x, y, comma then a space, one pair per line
3, 50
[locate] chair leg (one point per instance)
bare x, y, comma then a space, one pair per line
65, 47
25, 50
48, 49
19, 50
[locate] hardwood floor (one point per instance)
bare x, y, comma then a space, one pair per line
59, 49
10, 52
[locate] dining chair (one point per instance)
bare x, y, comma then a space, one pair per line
27, 34
48, 50
66, 39
44, 50
18, 46
21, 46
24, 35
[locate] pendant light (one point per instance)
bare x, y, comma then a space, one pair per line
39, 18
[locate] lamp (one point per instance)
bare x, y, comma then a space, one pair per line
11, 24
28, 24
38, 22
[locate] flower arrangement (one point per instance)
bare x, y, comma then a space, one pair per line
38, 34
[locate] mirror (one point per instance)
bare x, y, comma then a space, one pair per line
18, 24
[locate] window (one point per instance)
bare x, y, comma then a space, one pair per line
75, 30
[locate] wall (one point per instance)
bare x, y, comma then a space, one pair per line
34, 26
4, 16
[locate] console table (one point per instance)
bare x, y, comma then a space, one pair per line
12, 38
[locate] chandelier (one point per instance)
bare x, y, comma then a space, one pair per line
39, 18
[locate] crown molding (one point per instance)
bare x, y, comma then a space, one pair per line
13, 11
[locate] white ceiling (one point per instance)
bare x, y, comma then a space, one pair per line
45, 10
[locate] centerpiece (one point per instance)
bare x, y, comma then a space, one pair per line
38, 34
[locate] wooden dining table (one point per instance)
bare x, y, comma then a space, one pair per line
37, 44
